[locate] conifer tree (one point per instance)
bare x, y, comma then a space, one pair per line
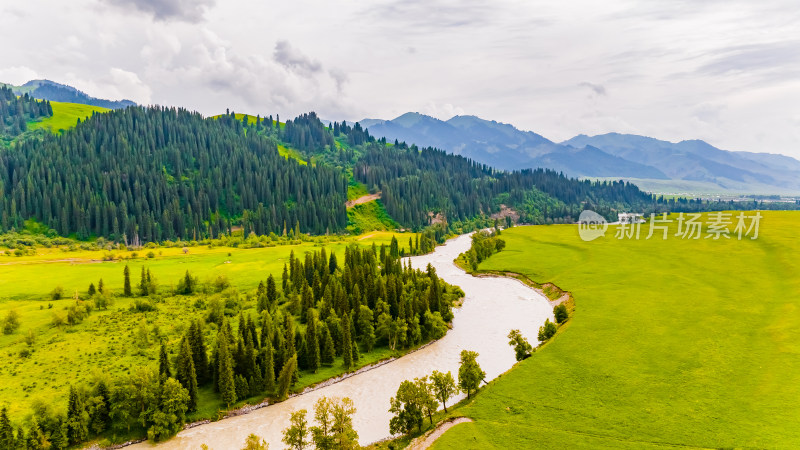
164, 371
312, 343
77, 418
143, 284
272, 291
285, 379
347, 343
185, 372
126, 290
6, 430
268, 366
225, 382
328, 351
199, 354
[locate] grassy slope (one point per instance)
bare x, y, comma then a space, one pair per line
369, 216
65, 116
691, 343
62, 356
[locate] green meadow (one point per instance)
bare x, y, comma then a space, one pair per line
104, 344
65, 116
674, 343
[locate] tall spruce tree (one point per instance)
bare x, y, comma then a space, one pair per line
164, 371
312, 342
226, 382
185, 372
199, 354
347, 343
126, 290
77, 417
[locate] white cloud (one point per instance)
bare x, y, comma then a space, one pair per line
720, 71
17, 75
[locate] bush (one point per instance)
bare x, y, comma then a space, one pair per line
547, 330
57, 293
11, 322
560, 311
140, 305
151, 255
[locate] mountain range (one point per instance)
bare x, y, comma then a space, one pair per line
692, 166
656, 165
57, 92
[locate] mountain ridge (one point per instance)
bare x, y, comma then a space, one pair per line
610, 155
56, 92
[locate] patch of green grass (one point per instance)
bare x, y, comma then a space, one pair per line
288, 152
673, 343
356, 189
65, 116
368, 217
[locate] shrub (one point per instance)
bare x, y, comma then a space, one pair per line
560, 311
11, 322
547, 330
151, 255
141, 305
57, 293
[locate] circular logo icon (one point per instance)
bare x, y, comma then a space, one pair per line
591, 225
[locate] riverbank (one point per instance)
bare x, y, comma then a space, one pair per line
481, 324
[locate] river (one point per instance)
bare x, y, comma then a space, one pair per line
491, 308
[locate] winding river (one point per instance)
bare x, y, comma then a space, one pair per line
491, 308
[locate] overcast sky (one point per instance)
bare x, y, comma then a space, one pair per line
727, 71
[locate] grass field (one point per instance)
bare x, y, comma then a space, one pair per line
102, 345
674, 342
65, 116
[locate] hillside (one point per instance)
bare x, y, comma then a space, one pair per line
65, 116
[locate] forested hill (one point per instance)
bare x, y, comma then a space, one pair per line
157, 173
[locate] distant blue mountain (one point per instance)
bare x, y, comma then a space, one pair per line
56, 92
502, 146
696, 160
609, 155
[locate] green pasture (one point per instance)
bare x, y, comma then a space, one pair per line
674, 343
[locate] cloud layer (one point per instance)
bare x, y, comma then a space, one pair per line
726, 72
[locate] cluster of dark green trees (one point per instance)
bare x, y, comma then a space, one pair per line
154, 402
15, 112
151, 174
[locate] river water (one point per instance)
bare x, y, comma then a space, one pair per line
491, 308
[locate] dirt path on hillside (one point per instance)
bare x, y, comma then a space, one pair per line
362, 199
426, 440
